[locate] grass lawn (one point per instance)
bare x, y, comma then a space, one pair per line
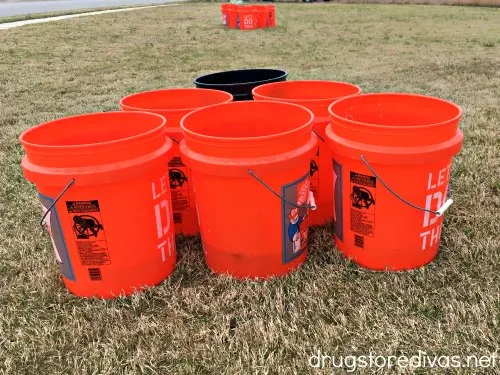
35, 16
490, 3
450, 307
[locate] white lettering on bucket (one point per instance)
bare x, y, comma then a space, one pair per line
247, 20
438, 197
162, 215
435, 236
437, 185
160, 207
439, 179
424, 236
163, 187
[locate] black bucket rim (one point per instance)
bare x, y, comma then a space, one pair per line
283, 74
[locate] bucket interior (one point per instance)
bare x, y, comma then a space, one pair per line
96, 128
307, 90
246, 119
395, 110
175, 99
240, 76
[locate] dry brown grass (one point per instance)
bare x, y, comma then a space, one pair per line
487, 3
452, 306
34, 16
493, 3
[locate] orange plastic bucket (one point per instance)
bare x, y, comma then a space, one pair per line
271, 14
103, 184
392, 160
173, 104
250, 165
232, 16
262, 16
247, 18
317, 96
225, 14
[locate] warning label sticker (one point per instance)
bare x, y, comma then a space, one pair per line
88, 230
314, 175
178, 176
363, 195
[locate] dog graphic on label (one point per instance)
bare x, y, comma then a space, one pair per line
297, 229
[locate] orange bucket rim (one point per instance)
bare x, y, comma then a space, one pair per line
32, 145
309, 123
394, 94
300, 101
229, 98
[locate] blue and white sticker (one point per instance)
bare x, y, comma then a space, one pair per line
295, 220
53, 226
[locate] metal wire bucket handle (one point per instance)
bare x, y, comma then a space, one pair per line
311, 204
438, 213
55, 200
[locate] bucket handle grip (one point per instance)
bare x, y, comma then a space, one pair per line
438, 213
55, 200
312, 202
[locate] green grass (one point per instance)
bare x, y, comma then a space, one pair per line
35, 16
182, 326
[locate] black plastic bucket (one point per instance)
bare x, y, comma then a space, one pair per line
240, 83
